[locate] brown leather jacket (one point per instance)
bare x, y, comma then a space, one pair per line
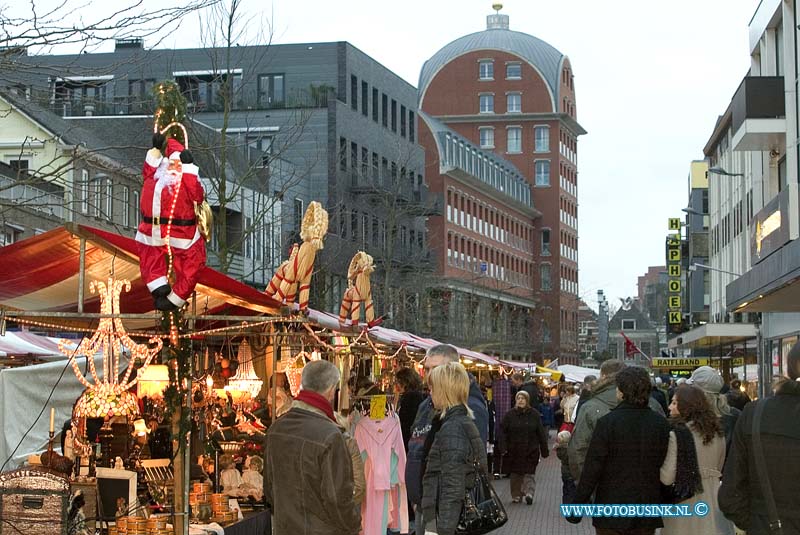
308, 476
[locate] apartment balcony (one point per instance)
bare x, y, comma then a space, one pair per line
758, 114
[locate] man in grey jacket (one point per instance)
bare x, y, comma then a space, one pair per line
604, 398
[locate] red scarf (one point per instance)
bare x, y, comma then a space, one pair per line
317, 401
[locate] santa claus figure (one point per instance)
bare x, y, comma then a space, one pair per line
169, 225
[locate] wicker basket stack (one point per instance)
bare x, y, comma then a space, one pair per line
221, 510
134, 525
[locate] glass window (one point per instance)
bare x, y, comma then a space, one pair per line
513, 103
544, 271
84, 185
364, 99
514, 139
513, 71
487, 70
629, 325
353, 92
542, 172
487, 103
541, 136
546, 242
271, 90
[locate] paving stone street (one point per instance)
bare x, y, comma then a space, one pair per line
543, 517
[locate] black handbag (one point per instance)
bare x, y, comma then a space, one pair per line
482, 511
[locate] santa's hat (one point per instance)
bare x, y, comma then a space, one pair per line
174, 149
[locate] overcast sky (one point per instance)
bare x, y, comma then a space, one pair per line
650, 77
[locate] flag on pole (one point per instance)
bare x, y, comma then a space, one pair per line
631, 349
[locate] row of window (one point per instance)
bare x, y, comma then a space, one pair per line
368, 166
569, 187
97, 199
367, 229
461, 154
732, 224
488, 221
569, 253
486, 70
568, 153
569, 286
541, 137
464, 253
513, 102
388, 115
569, 213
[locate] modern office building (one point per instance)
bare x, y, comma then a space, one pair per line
512, 94
483, 247
323, 121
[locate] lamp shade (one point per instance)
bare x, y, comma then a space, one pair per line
245, 379
106, 401
153, 380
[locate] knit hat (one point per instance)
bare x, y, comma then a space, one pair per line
563, 437
525, 394
707, 379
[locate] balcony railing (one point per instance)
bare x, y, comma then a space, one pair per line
758, 97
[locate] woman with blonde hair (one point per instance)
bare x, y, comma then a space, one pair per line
452, 447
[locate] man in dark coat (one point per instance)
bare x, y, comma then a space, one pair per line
741, 497
624, 458
529, 386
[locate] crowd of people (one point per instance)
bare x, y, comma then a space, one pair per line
621, 438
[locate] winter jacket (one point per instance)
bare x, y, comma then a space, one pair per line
661, 397
623, 464
522, 440
604, 398
710, 459
449, 469
308, 476
740, 496
407, 411
420, 429
563, 456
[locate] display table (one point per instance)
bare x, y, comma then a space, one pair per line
253, 523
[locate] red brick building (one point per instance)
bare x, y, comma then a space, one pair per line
513, 95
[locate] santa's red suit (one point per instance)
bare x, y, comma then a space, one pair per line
163, 178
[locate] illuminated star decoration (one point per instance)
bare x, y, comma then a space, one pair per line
109, 396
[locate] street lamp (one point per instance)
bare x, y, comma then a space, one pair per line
696, 265
691, 211
721, 171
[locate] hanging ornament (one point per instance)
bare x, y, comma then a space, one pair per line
109, 396
245, 379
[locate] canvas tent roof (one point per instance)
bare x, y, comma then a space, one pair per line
42, 274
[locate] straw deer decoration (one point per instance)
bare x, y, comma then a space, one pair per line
294, 282
358, 291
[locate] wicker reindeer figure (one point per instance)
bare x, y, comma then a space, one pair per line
280, 274
358, 290
296, 274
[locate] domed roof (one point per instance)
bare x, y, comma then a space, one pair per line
541, 55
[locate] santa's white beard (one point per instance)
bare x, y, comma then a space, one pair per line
167, 177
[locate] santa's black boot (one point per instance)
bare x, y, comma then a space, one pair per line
165, 305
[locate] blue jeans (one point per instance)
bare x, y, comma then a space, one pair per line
568, 489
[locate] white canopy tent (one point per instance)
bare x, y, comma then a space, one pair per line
23, 394
576, 374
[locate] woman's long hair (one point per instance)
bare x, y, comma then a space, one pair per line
694, 407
